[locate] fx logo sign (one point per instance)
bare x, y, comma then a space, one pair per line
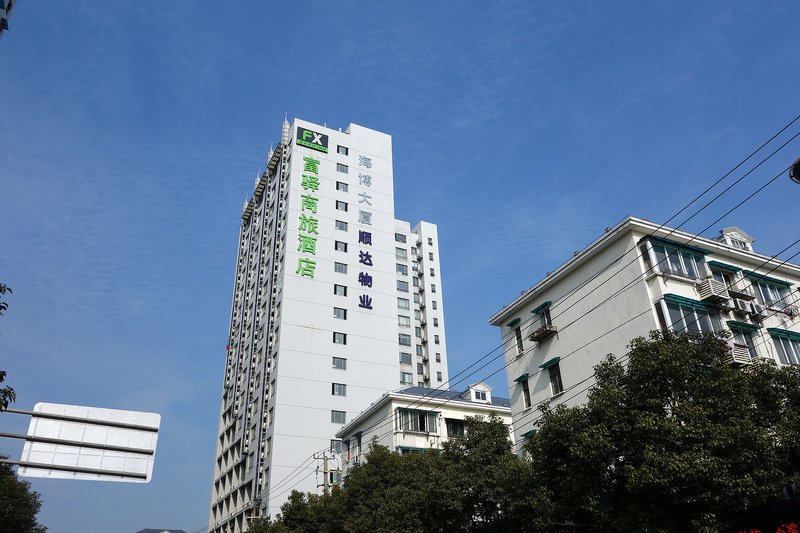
312, 139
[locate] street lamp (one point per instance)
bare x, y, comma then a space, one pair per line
794, 171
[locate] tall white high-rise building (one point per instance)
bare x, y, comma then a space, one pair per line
335, 303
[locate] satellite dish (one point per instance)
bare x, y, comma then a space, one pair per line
794, 171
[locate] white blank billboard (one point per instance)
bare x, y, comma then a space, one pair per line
90, 443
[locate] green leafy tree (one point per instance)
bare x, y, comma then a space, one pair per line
673, 440
7, 394
18, 504
474, 484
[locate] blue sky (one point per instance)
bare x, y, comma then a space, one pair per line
132, 131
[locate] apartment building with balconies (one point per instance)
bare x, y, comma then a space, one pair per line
638, 277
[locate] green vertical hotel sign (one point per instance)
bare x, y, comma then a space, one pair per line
312, 139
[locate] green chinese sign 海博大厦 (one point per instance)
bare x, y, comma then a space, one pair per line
312, 139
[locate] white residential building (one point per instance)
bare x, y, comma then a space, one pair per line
334, 303
638, 277
418, 419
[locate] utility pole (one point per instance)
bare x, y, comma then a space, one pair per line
325, 472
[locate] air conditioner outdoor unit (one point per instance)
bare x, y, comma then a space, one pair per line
713, 290
741, 306
758, 309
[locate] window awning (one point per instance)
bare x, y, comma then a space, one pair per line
523, 377
550, 362
680, 245
762, 277
682, 300
514, 323
542, 307
784, 333
742, 326
723, 266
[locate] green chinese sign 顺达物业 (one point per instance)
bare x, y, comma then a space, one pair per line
312, 139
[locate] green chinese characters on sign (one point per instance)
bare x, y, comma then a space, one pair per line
309, 224
305, 267
307, 244
310, 165
308, 202
309, 182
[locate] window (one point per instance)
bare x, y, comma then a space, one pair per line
438, 357
416, 298
341, 268
414, 266
341, 168
788, 347
405, 358
403, 303
401, 269
404, 339
480, 395
556, 387
526, 393
455, 428
402, 286
745, 339
433, 304
679, 262
415, 281
404, 321
400, 253
518, 337
339, 363
339, 338
341, 206
439, 377
338, 389
406, 378
338, 417
430, 241
340, 290
433, 287
341, 150
413, 251
692, 318
432, 273
430, 256
417, 314
420, 368
435, 322
723, 277
340, 246
341, 225
419, 350
336, 446
418, 332
769, 294
421, 421
436, 339
341, 186
544, 315
340, 313
399, 237
739, 244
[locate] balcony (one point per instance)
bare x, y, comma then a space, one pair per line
712, 290
544, 333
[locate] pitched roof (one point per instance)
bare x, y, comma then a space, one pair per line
450, 395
